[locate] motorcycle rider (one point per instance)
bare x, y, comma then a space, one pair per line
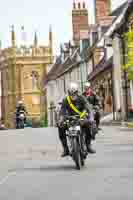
93, 100
20, 107
81, 104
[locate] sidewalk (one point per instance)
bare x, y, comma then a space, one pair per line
128, 124
107, 121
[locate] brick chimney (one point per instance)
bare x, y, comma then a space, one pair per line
79, 20
102, 9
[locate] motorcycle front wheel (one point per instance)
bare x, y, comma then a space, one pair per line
21, 124
76, 154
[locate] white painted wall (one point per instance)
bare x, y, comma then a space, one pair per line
90, 66
109, 51
118, 91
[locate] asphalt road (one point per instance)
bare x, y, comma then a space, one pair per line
31, 167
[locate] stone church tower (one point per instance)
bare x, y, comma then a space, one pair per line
22, 72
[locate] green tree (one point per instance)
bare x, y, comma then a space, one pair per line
128, 37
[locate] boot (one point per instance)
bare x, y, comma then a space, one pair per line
98, 123
65, 152
65, 147
88, 145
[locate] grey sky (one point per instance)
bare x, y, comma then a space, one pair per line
37, 15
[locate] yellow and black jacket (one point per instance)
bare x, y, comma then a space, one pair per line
80, 104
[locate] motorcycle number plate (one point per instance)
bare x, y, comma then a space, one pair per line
76, 128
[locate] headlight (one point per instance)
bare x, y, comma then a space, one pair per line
22, 116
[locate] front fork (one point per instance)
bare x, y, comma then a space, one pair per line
81, 141
70, 139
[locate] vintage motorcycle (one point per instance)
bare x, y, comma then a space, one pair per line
76, 140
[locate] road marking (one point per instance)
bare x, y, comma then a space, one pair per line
6, 178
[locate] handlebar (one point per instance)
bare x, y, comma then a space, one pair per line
72, 117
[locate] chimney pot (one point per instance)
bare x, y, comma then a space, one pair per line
84, 5
79, 5
74, 5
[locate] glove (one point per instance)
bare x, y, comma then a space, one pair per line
60, 121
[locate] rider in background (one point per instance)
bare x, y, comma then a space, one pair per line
20, 107
93, 99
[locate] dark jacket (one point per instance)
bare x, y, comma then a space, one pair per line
80, 103
20, 108
92, 99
